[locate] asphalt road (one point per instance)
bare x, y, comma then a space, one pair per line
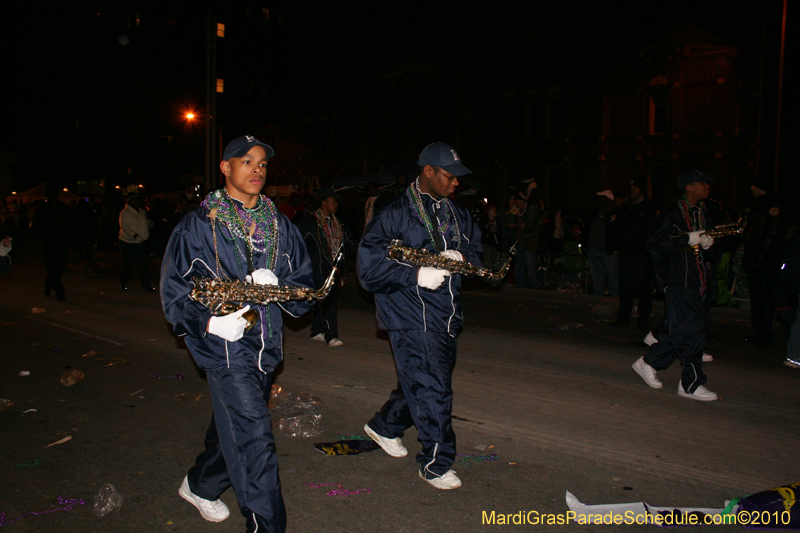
542, 382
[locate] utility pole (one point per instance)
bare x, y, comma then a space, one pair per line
780, 98
211, 102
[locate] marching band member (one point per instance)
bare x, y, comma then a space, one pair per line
236, 233
420, 307
682, 253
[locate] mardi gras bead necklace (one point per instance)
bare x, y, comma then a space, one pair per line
702, 268
256, 228
332, 233
448, 216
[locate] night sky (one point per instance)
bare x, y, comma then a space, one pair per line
104, 94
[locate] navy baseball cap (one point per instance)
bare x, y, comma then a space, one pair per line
323, 194
691, 176
442, 156
241, 145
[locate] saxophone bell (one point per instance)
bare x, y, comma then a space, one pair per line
323, 291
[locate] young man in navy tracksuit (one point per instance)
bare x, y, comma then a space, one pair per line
420, 307
237, 234
682, 254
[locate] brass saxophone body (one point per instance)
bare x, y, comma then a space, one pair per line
725, 230
417, 257
225, 296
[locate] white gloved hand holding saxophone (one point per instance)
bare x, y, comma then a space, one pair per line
262, 276
694, 237
230, 327
452, 254
431, 278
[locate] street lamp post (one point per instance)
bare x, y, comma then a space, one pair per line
211, 101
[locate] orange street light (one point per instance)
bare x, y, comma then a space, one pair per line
189, 116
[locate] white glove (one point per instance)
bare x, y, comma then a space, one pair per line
431, 278
452, 254
706, 241
262, 276
229, 327
694, 237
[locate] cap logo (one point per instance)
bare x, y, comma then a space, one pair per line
455, 155
250, 138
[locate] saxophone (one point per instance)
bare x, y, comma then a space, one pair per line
725, 230
424, 258
225, 296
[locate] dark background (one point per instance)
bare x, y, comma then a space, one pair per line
98, 90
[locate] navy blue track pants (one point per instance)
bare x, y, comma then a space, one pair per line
683, 335
240, 449
423, 397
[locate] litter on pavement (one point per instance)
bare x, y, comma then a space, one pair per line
346, 447
769, 509
297, 414
67, 504
62, 441
106, 500
341, 491
72, 377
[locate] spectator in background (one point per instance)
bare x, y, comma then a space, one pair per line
727, 264
491, 236
526, 224
400, 184
632, 226
325, 236
292, 206
51, 224
5, 260
86, 222
790, 279
507, 234
573, 225
134, 232
374, 201
370, 203
762, 251
558, 232
602, 248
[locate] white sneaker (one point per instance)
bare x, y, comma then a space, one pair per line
393, 447
334, 342
649, 339
446, 482
701, 393
318, 337
647, 373
212, 511
791, 363
708, 358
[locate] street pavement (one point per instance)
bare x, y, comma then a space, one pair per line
542, 382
